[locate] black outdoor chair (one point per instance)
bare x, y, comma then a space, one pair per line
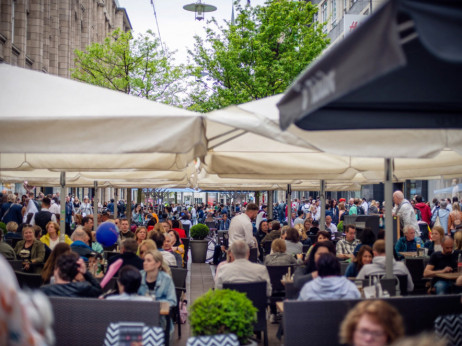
256, 292
16, 264
186, 230
185, 242
179, 279
267, 247
29, 280
398, 280
253, 257
277, 288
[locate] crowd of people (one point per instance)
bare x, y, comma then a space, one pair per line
150, 243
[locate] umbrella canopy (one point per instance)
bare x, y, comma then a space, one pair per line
398, 73
42, 113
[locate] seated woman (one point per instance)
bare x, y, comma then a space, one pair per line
309, 272
30, 250
141, 234
304, 239
145, 246
129, 281
177, 246
320, 236
292, 240
434, 244
50, 265
371, 322
51, 239
68, 267
363, 257
278, 256
329, 284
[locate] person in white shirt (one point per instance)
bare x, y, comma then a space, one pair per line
54, 207
329, 225
241, 226
365, 206
241, 269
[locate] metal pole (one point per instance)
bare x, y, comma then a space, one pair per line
270, 204
388, 219
289, 205
62, 218
322, 191
95, 206
128, 207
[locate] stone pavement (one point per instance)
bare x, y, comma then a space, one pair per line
198, 282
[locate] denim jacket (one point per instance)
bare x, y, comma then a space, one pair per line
164, 290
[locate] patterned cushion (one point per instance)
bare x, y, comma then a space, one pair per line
450, 327
214, 340
131, 331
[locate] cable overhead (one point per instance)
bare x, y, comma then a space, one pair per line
157, 24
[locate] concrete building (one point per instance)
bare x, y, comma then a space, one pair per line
43, 34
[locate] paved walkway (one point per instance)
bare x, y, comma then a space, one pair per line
198, 282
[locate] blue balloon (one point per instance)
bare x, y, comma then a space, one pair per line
107, 234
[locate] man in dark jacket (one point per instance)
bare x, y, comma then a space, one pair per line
44, 216
11, 211
70, 267
128, 255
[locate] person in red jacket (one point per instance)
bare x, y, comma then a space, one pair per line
425, 210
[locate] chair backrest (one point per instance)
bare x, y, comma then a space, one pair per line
253, 257
211, 224
111, 285
29, 280
186, 229
416, 267
400, 281
179, 277
419, 314
15, 264
133, 332
343, 267
83, 321
267, 246
450, 328
256, 292
291, 291
276, 273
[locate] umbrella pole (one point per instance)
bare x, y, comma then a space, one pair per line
388, 218
322, 220
62, 218
289, 205
95, 207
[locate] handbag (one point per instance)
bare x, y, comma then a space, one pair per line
437, 221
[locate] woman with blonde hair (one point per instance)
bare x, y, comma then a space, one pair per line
145, 246
51, 239
435, 244
372, 322
278, 255
302, 232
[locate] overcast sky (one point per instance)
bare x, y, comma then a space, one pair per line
177, 26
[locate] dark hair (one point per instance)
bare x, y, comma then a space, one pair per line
326, 234
86, 219
311, 265
347, 227
275, 225
152, 222
46, 201
261, 223
367, 237
418, 199
175, 224
130, 245
328, 265
177, 237
130, 279
292, 235
68, 266
300, 213
158, 238
315, 223
252, 206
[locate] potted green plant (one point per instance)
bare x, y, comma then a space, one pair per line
223, 312
198, 244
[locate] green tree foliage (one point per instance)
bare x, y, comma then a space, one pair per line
136, 66
258, 56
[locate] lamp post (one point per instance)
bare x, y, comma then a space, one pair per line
199, 9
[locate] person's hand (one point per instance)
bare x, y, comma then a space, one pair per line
447, 270
299, 256
26, 266
82, 266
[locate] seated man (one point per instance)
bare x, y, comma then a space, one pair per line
442, 262
128, 255
129, 281
241, 269
68, 267
377, 267
329, 284
346, 247
409, 242
80, 240
330, 226
125, 230
5, 249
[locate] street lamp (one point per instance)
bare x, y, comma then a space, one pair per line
199, 9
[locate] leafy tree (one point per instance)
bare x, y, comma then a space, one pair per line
134, 66
257, 56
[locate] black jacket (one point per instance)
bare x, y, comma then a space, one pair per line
88, 288
127, 258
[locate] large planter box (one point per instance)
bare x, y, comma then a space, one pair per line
198, 250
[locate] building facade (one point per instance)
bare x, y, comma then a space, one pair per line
43, 34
